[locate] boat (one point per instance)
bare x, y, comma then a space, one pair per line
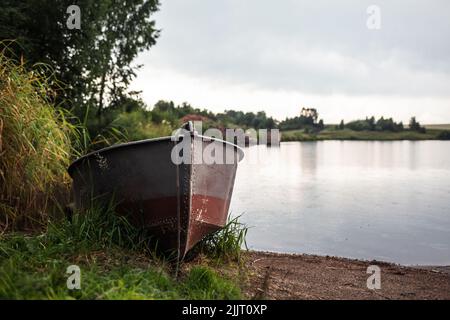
177, 203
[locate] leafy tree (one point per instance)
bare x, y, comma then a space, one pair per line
95, 62
358, 125
310, 113
414, 125
164, 106
297, 123
320, 125
369, 124
271, 123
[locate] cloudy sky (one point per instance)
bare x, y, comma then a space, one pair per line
279, 56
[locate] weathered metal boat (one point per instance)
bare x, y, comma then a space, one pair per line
178, 203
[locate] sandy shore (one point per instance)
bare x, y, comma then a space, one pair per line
287, 276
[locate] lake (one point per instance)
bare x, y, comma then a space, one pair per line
378, 200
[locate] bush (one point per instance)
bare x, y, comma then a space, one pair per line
444, 135
369, 124
34, 146
137, 125
359, 125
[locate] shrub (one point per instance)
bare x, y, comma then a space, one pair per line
444, 135
137, 125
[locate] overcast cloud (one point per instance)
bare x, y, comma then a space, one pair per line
278, 56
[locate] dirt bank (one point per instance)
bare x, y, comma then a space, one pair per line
285, 276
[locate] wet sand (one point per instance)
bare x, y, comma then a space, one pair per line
288, 276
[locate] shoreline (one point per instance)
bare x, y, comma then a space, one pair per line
443, 268
351, 135
302, 276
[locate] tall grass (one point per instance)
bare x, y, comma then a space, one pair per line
35, 146
227, 243
96, 228
84, 142
37, 142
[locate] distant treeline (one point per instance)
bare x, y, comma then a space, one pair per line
382, 124
309, 123
139, 121
164, 110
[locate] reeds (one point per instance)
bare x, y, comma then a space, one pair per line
35, 145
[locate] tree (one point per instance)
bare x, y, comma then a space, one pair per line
307, 119
415, 126
320, 125
271, 123
164, 106
371, 122
342, 125
95, 62
310, 113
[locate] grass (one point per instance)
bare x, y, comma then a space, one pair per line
114, 260
346, 134
105, 274
35, 146
225, 244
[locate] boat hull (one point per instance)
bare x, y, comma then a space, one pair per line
179, 204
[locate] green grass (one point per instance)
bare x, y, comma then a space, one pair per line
346, 134
227, 243
114, 259
35, 146
30, 269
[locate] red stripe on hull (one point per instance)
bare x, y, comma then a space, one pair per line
207, 214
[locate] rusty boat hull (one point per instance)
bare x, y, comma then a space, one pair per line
179, 204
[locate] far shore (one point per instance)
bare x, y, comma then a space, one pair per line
302, 276
438, 133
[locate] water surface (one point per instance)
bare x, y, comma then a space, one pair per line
372, 200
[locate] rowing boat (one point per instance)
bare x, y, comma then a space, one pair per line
177, 203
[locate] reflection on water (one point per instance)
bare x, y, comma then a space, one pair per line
372, 200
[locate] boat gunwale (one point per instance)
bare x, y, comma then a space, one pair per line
144, 141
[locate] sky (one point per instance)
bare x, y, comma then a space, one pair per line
346, 58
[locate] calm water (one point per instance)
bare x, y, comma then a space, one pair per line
372, 200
